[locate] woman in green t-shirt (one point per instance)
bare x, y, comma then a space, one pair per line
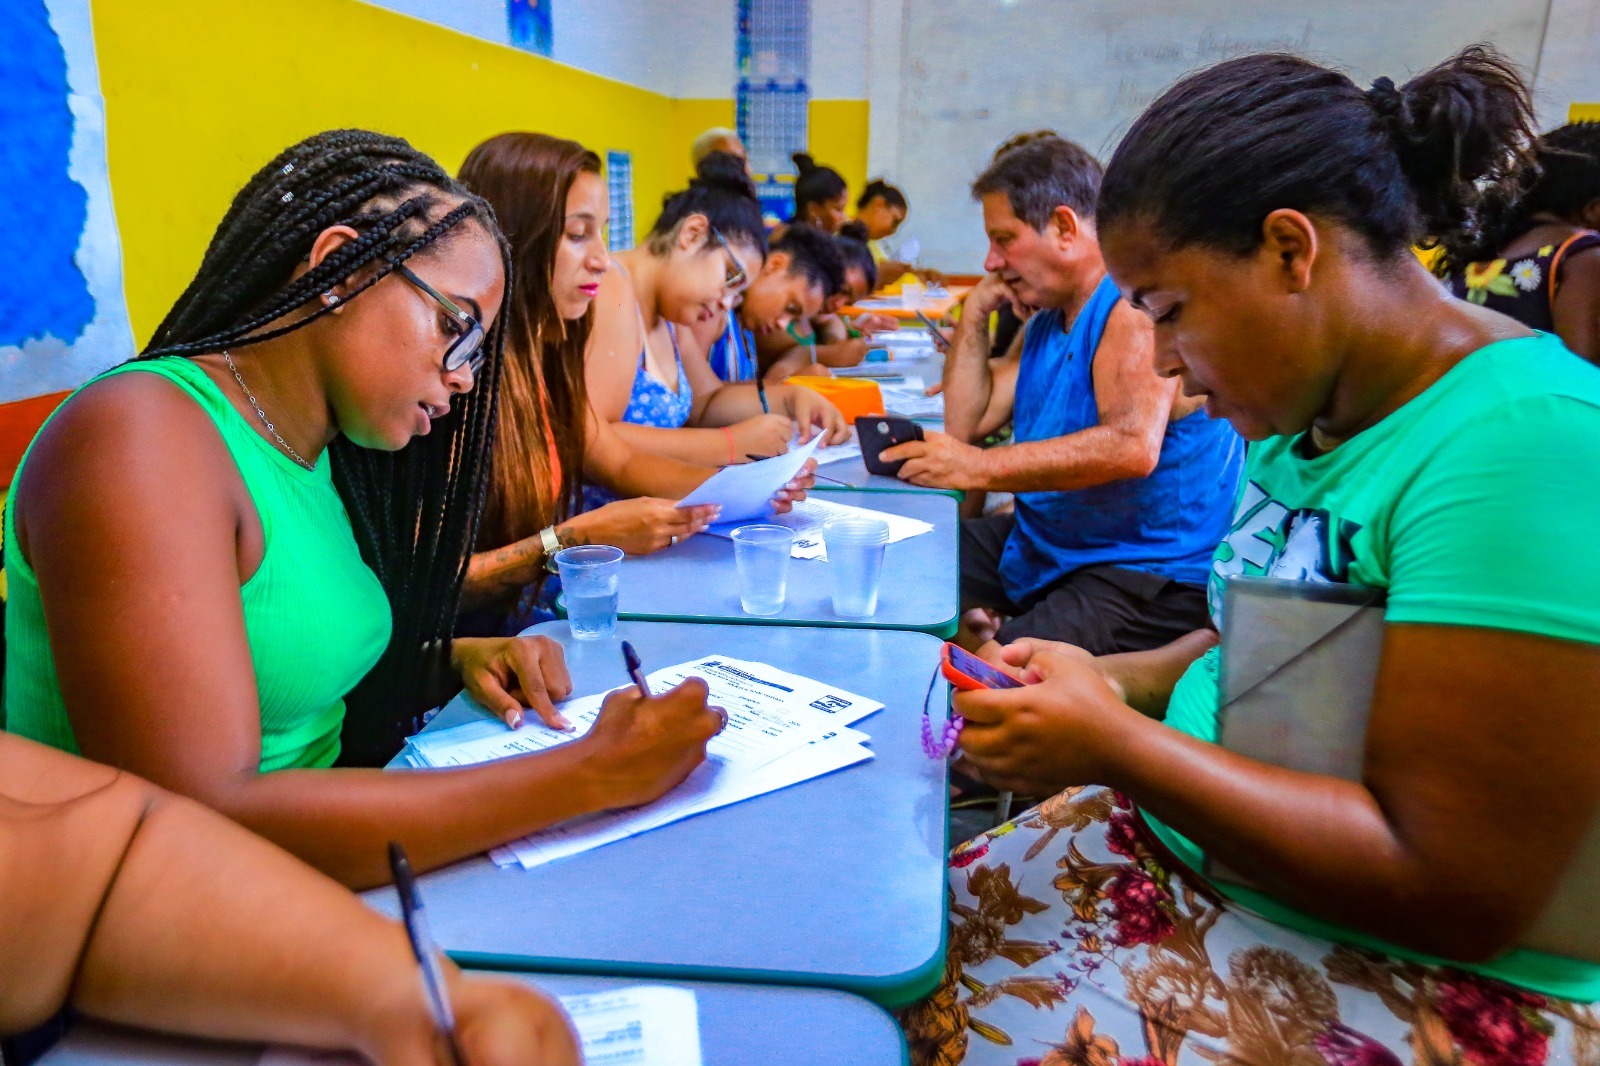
209, 548
1262, 213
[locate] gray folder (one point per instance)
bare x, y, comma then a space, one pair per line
1298, 669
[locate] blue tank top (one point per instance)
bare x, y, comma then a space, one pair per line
650, 404
1168, 523
733, 355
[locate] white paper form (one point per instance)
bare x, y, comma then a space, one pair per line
838, 453
645, 1025
912, 401
809, 516
772, 715
744, 492
642, 1025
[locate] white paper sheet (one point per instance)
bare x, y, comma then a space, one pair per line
838, 453
810, 515
641, 1025
772, 715
745, 491
911, 400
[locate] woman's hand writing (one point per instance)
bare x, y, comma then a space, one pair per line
642, 746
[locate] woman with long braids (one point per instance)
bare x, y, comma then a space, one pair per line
1181, 901
210, 547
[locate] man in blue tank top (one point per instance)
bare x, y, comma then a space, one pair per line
1123, 487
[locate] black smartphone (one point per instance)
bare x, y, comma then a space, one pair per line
877, 432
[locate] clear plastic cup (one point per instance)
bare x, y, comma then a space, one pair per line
589, 574
761, 552
855, 557
912, 294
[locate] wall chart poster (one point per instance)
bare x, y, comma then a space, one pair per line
529, 22
63, 316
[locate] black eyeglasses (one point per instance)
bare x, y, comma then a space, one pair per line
737, 278
467, 349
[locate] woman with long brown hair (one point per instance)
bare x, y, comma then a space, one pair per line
552, 202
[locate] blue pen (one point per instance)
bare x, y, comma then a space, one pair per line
427, 953
630, 659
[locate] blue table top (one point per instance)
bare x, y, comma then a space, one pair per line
739, 1024
838, 882
696, 581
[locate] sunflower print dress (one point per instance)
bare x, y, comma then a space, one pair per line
1073, 943
1523, 288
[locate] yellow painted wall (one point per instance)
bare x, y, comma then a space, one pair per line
1583, 113
691, 118
838, 136
200, 94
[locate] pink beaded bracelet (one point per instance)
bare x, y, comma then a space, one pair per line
949, 736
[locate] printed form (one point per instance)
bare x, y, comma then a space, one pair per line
643, 1025
783, 729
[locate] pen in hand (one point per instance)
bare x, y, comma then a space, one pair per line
630, 659
427, 953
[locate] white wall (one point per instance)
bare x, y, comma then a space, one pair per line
1569, 64
679, 48
943, 95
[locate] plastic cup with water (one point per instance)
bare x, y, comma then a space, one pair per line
761, 553
589, 575
855, 560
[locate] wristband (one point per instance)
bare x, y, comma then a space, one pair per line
733, 452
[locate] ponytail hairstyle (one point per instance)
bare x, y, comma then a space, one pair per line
813, 255
414, 512
815, 184
526, 177
722, 191
878, 189
1437, 161
852, 241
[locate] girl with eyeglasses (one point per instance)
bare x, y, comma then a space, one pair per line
661, 396
241, 554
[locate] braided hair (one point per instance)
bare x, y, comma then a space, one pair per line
415, 512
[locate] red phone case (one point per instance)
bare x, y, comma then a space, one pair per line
953, 674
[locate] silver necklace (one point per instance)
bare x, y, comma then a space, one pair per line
265, 421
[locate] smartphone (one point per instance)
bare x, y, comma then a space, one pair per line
968, 673
933, 328
877, 432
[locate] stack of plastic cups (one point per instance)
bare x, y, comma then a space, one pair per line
855, 556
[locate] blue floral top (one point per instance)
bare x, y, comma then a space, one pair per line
650, 404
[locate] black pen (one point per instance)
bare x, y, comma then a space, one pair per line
423, 947
630, 659
819, 477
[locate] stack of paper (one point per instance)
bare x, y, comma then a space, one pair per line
783, 729
643, 1025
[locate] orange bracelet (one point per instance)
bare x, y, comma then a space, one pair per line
733, 452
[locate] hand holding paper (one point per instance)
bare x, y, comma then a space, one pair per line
745, 492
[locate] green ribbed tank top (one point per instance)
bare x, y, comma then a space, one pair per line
316, 616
